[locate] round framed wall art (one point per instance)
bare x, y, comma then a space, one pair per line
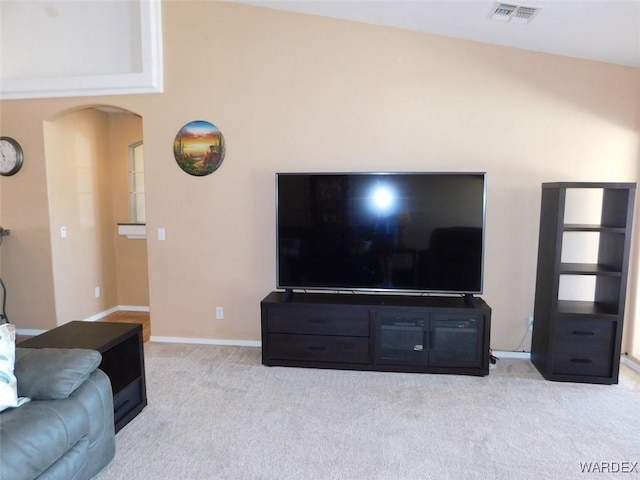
199, 148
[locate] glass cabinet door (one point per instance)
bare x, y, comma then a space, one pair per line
401, 339
455, 340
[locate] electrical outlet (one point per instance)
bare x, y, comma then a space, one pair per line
96, 292
219, 313
531, 323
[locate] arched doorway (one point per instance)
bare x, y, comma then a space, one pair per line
96, 271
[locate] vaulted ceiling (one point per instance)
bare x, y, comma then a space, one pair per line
601, 30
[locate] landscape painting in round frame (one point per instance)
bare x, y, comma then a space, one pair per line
199, 148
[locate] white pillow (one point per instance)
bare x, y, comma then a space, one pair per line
8, 383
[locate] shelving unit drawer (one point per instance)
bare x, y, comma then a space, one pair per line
585, 347
318, 348
587, 364
585, 335
319, 321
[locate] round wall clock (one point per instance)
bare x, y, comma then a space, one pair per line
199, 148
11, 156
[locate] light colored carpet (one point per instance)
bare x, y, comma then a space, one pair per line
216, 413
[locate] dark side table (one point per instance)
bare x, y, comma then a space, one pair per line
122, 359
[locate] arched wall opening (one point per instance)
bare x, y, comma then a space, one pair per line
96, 271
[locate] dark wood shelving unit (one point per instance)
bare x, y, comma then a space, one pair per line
575, 339
588, 269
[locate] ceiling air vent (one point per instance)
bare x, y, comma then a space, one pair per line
509, 12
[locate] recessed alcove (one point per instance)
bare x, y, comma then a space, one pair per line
89, 59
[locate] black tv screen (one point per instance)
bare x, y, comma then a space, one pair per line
407, 232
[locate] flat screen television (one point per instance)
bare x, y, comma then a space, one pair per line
399, 232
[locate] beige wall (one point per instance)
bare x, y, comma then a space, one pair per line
632, 326
79, 187
125, 129
294, 92
27, 268
631, 337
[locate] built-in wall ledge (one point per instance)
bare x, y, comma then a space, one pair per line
132, 230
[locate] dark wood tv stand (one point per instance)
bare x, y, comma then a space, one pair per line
421, 334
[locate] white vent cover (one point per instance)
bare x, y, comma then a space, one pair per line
509, 12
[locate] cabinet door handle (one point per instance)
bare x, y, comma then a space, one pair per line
583, 332
580, 360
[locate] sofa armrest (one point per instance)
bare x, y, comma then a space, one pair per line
53, 373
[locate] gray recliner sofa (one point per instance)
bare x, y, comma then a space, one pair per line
66, 431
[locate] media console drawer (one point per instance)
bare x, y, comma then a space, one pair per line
318, 348
320, 320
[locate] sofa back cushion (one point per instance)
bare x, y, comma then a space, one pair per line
53, 373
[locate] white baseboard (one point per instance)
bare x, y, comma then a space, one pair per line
29, 332
117, 308
509, 354
632, 364
98, 316
206, 341
133, 308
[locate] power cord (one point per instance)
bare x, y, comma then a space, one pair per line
492, 358
3, 314
524, 337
